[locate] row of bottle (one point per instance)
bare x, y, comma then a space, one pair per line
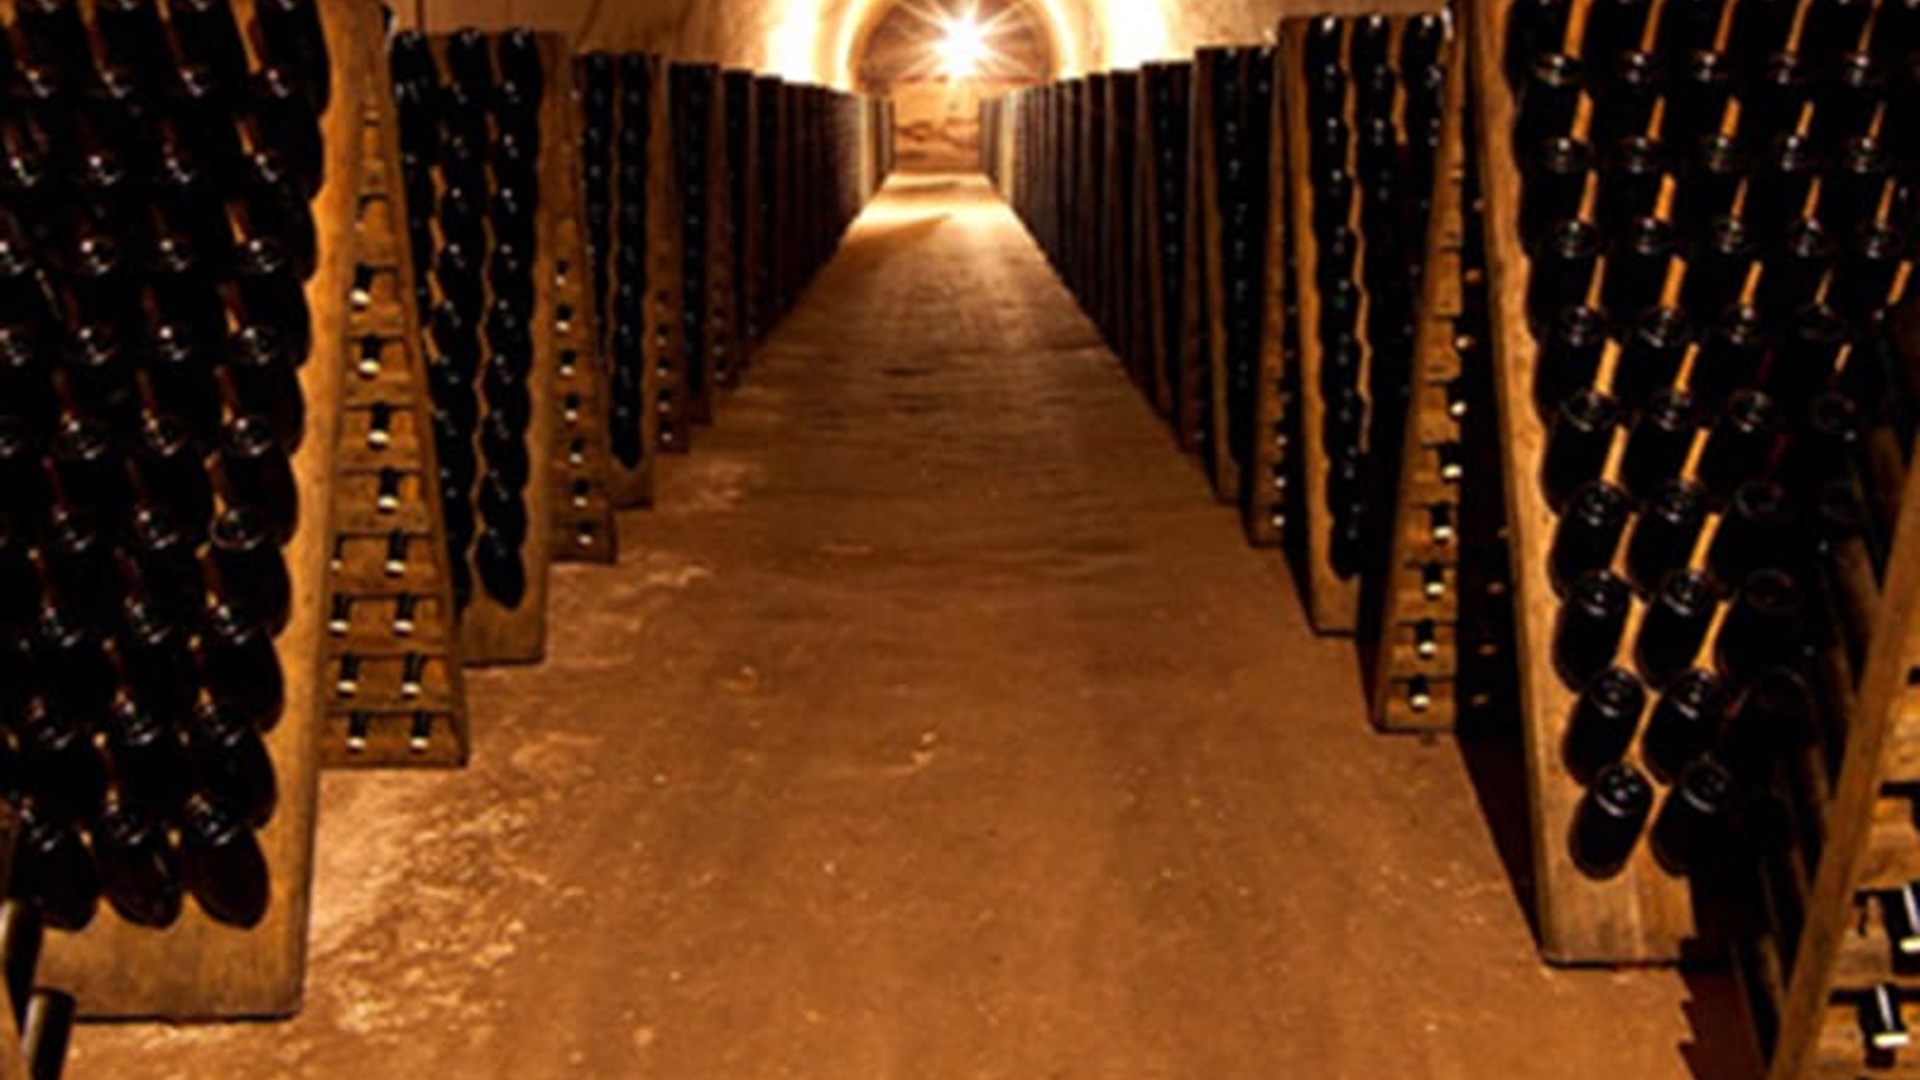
1373, 194
472, 131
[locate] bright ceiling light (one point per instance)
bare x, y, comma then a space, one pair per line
962, 46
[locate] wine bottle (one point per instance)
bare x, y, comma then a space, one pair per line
1605, 719
1652, 356
1742, 443
1636, 272
281, 115
1863, 279
1776, 98
1693, 822
252, 573
53, 870
1675, 626
1730, 358
1587, 534
294, 40
139, 874
501, 569
1609, 820
1633, 169
169, 568
1833, 28
1563, 268
242, 669
256, 473
1631, 82
1702, 84
63, 775
1685, 723
1578, 444
1709, 179
1718, 266
1854, 188
224, 868
1587, 632
262, 369
1548, 99
1533, 27
504, 510
156, 662
1764, 628
230, 765
1659, 443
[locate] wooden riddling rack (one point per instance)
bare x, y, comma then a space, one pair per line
1362, 312
1435, 606
485, 240
634, 219
251, 853
395, 682
1812, 824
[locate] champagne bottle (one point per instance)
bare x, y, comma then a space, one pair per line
224, 868
502, 571
1776, 97
1634, 168
1764, 628
64, 778
1587, 632
1563, 268
230, 765
139, 874
1742, 443
1675, 626
242, 670
1693, 822
1609, 820
1702, 85
255, 473
253, 576
1605, 719
1685, 723
150, 765
1659, 443
1792, 276
1730, 358
1577, 445
1587, 534
1718, 267
262, 368
53, 870
1652, 355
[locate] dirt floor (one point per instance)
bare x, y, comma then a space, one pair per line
937, 725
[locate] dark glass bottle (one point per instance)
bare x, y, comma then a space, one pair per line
1675, 626
1630, 84
282, 116
156, 661
1533, 27
84, 568
242, 670
1742, 444
1587, 633
1765, 627
139, 873
1569, 357
1659, 443
1718, 266
1693, 822
1701, 86
1563, 267
1636, 273
1709, 180
252, 573
224, 868
504, 448
1775, 98
1652, 355
1587, 534
256, 473
1608, 823
1758, 529
504, 510
1685, 723
1863, 279
294, 39
1808, 357
1730, 358
169, 567
230, 765
273, 293
1605, 719
208, 37
502, 571
63, 775
1632, 172
1548, 99
263, 371
1577, 445
53, 870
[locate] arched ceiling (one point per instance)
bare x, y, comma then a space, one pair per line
902, 43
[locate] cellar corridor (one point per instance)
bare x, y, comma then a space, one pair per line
937, 724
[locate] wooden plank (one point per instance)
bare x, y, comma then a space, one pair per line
199, 968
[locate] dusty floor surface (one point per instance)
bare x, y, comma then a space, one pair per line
937, 726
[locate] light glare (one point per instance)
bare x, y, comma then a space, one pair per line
962, 47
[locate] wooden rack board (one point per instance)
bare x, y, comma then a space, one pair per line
1642, 914
1418, 638
406, 702
198, 968
583, 528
